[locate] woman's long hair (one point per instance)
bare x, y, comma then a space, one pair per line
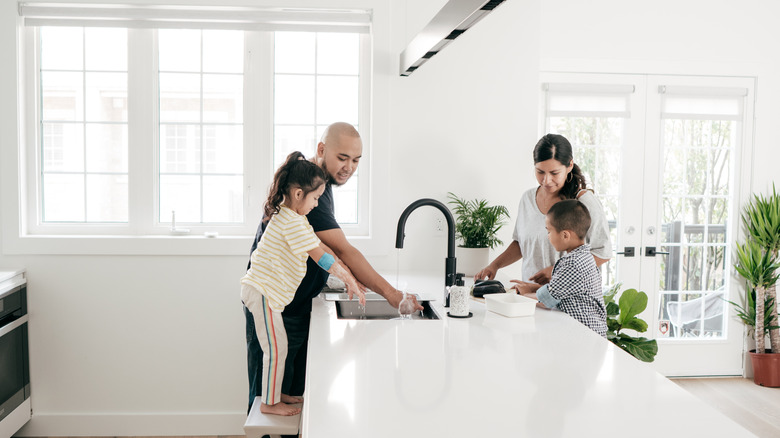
558, 147
296, 172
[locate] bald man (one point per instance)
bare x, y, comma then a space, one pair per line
338, 154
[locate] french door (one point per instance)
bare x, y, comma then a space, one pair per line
667, 156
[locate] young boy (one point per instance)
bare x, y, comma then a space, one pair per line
575, 286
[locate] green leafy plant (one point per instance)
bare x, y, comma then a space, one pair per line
623, 315
759, 268
477, 222
746, 312
761, 218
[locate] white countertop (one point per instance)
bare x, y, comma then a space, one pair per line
540, 376
10, 278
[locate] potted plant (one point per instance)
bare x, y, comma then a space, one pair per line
757, 263
623, 315
476, 226
758, 268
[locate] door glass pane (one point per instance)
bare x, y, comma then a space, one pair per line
597, 144
693, 315
696, 177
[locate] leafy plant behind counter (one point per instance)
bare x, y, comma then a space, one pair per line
622, 315
477, 223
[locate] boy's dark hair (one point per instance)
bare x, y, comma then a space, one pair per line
296, 172
570, 214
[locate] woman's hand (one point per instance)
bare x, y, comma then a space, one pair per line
487, 271
543, 276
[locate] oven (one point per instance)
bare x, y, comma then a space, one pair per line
14, 355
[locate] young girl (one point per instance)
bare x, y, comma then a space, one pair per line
279, 264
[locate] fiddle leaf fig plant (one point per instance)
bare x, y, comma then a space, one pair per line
477, 222
623, 315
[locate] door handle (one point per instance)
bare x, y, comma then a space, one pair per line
651, 252
628, 251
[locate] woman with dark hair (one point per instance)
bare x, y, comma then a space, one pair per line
559, 178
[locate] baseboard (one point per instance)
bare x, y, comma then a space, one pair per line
140, 424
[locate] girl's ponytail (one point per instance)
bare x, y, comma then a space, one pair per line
296, 172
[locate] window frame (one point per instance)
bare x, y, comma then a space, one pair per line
143, 233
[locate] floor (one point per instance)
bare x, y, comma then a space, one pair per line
754, 407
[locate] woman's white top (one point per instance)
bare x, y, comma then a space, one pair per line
538, 253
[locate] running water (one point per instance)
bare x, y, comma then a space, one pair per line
398, 268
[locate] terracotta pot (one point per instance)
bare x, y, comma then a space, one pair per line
766, 368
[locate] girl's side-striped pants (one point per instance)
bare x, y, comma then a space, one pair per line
273, 341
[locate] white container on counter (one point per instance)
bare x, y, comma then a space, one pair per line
510, 305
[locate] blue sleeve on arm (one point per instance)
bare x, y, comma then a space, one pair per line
326, 261
544, 297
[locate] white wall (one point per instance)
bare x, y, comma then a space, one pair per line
134, 345
697, 37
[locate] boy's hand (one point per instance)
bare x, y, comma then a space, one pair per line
523, 287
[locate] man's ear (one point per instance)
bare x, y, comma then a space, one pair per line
566, 234
320, 149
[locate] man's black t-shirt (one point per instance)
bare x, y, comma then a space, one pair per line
321, 218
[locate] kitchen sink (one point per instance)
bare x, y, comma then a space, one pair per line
376, 309
339, 295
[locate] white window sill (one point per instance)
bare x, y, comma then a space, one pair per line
193, 245
128, 245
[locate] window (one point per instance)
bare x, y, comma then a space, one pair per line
201, 126
322, 71
83, 124
134, 127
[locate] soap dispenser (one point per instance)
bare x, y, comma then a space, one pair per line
459, 299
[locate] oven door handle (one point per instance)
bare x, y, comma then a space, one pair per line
17, 323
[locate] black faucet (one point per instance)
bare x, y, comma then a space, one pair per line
449, 267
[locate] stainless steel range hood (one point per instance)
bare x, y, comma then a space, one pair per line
454, 18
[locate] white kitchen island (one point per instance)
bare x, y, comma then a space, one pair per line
489, 375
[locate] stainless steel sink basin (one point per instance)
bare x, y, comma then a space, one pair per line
376, 309
337, 295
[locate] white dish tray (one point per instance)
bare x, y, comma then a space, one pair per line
509, 304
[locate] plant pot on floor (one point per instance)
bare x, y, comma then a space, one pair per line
471, 260
766, 368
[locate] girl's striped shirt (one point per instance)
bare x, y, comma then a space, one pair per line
279, 263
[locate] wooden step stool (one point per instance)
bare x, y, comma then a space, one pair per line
259, 424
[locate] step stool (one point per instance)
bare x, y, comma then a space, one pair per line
259, 424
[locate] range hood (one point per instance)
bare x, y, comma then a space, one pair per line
454, 18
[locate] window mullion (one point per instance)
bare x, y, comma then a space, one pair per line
142, 86
258, 122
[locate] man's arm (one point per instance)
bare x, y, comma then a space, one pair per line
357, 263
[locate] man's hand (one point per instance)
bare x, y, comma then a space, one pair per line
395, 300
